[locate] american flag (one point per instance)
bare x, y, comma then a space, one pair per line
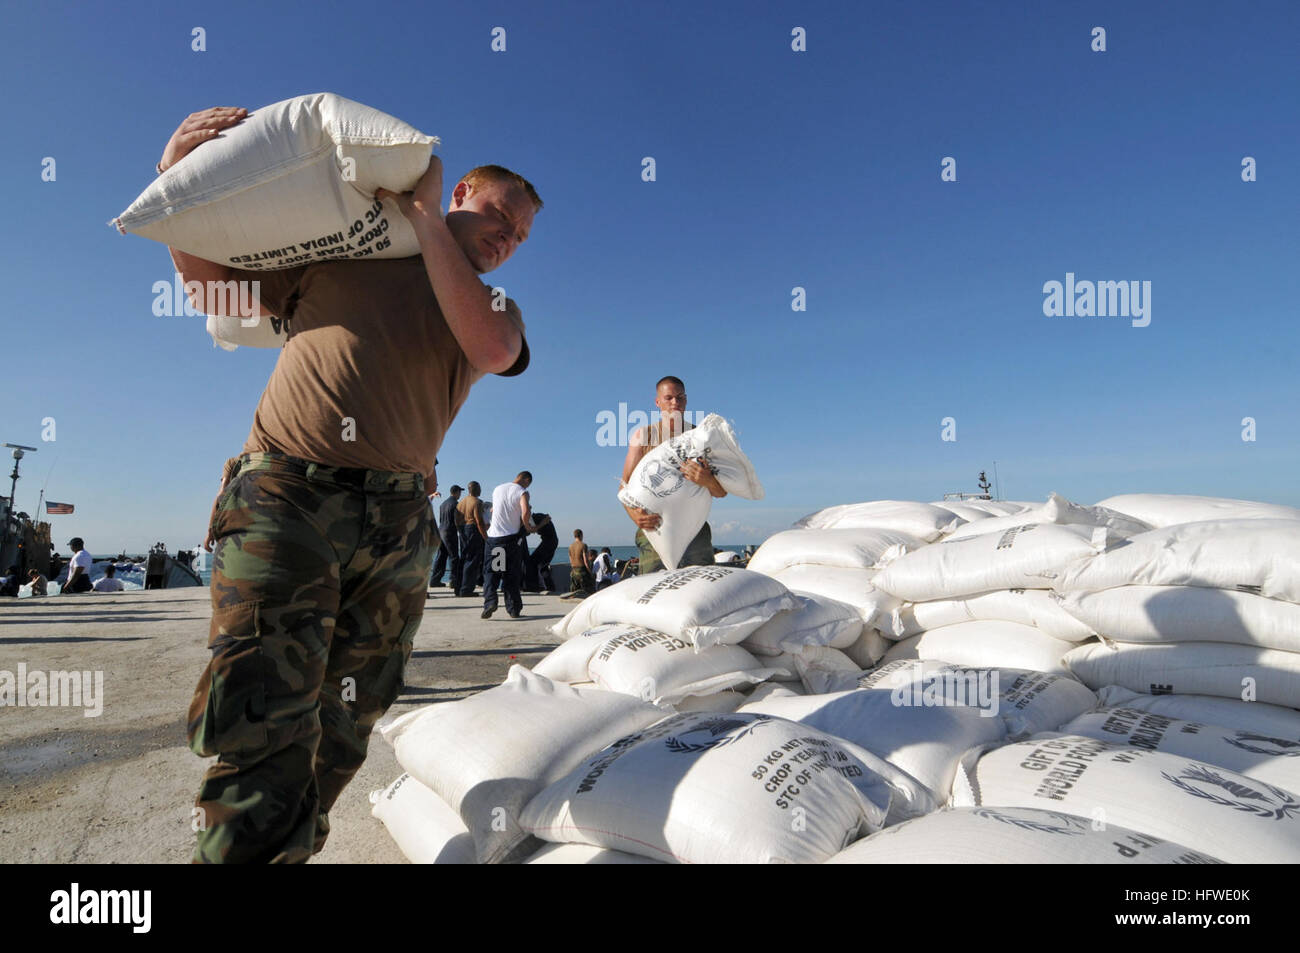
60, 509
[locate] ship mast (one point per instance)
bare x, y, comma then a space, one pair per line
12, 514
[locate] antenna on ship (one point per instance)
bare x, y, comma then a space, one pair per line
41, 499
984, 486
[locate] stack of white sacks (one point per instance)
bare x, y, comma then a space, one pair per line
899, 682
1207, 602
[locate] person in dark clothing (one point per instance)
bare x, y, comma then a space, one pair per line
473, 535
449, 551
537, 566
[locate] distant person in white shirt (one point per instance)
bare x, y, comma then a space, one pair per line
78, 567
109, 583
605, 574
502, 558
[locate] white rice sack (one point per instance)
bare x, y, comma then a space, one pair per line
775, 689
991, 507
1058, 509
721, 789
488, 754
1275, 761
1186, 614
567, 662
1167, 509
664, 669
1027, 702
1276, 721
1033, 607
904, 650
425, 829
823, 669
658, 486
1024, 557
815, 620
987, 644
727, 700
292, 184
1012, 835
230, 332
914, 618
1257, 556
1208, 809
925, 521
585, 854
869, 649
839, 548
925, 740
1191, 668
706, 605
970, 514
785, 663
849, 586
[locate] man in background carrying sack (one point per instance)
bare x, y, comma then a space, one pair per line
324, 534
670, 398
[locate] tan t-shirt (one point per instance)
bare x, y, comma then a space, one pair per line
371, 375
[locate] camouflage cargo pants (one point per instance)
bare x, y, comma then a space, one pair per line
698, 553
580, 580
318, 586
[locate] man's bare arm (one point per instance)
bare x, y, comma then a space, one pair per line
701, 475
490, 339
192, 268
644, 519
196, 129
526, 512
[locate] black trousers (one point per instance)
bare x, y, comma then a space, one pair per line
471, 550
448, 552
504, 567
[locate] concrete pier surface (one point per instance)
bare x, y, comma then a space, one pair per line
119, 787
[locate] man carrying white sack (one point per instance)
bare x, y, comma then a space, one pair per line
670, 398
324, 533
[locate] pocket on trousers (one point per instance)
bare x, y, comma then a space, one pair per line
228, 713
219, 505
389, 684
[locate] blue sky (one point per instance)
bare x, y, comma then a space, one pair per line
775, 169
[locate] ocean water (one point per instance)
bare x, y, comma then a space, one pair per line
561, 556
133, 578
